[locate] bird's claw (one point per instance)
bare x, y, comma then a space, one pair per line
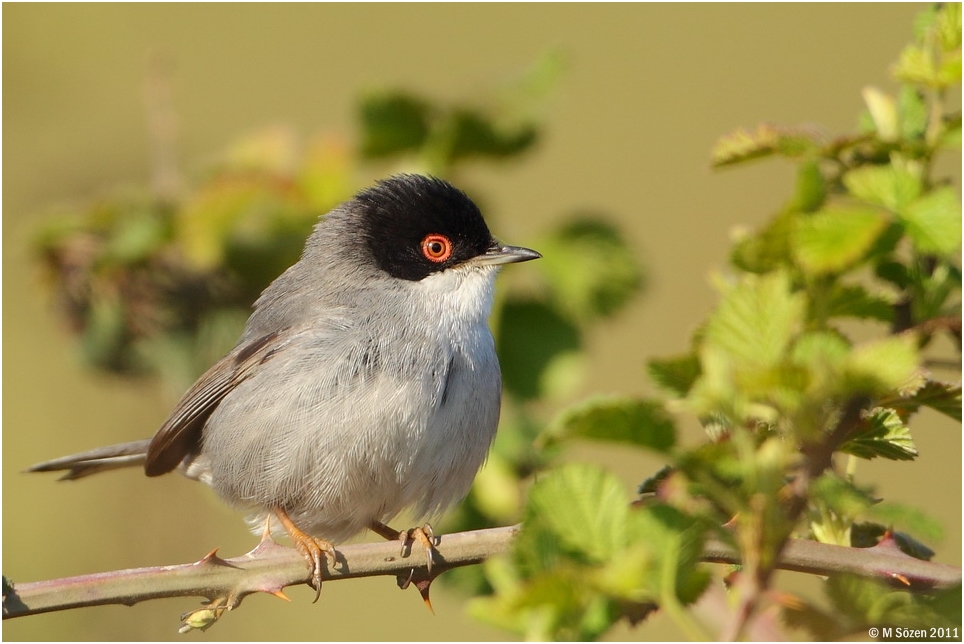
424, 536
311, 548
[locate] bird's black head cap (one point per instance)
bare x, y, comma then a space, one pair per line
415, 226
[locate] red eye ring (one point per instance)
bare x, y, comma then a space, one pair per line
436, 248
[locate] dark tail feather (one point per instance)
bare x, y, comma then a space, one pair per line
97, 460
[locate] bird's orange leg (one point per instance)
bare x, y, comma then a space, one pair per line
311, 548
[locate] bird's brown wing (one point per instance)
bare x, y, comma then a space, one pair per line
180, 434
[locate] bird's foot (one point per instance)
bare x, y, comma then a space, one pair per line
311, 548
425, 536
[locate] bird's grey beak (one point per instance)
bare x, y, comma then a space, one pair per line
501, 254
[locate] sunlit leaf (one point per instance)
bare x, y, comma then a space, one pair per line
639, 422
934, 221
881, 433
756, 319
888, 186
835, 238
676, 374
882, 365
850, 300
744, 145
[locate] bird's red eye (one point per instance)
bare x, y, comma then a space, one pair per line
436, 248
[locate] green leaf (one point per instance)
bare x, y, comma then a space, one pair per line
948, 26
584, 508
850, 300
474, 134
881, 433
676, 374
644, 423
823, 347
756, 319
811, 187
591, 269
887, 185
835, 238
934, 222
745, 145
873, 603
393, 122
912, 113
881, 366
137, 236
916, 65
841, 495
939, 396
767, 249
532, 336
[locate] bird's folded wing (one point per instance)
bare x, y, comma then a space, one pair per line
180, 435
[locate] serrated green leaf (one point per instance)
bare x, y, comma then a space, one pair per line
884, 185
934, 221
835, 238
582, 510
590, 267
916, 65
940, 396
745, 145
644, 423
855, 301
881, 366
881, 433
675, 374
756, 319
392, 122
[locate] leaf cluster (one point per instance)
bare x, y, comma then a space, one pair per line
816, 357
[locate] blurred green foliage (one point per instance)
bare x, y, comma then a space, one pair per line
867, 246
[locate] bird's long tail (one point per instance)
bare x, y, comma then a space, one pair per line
97, 460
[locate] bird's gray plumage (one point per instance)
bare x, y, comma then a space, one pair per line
353, 393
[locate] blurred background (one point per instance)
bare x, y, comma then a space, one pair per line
645, 92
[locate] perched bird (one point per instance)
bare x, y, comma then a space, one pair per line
365, 382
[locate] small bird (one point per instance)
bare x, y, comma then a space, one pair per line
365, 382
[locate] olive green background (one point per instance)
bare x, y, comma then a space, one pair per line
648, 91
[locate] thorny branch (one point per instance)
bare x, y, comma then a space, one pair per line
271, 567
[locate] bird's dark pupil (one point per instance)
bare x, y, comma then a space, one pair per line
436, 248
